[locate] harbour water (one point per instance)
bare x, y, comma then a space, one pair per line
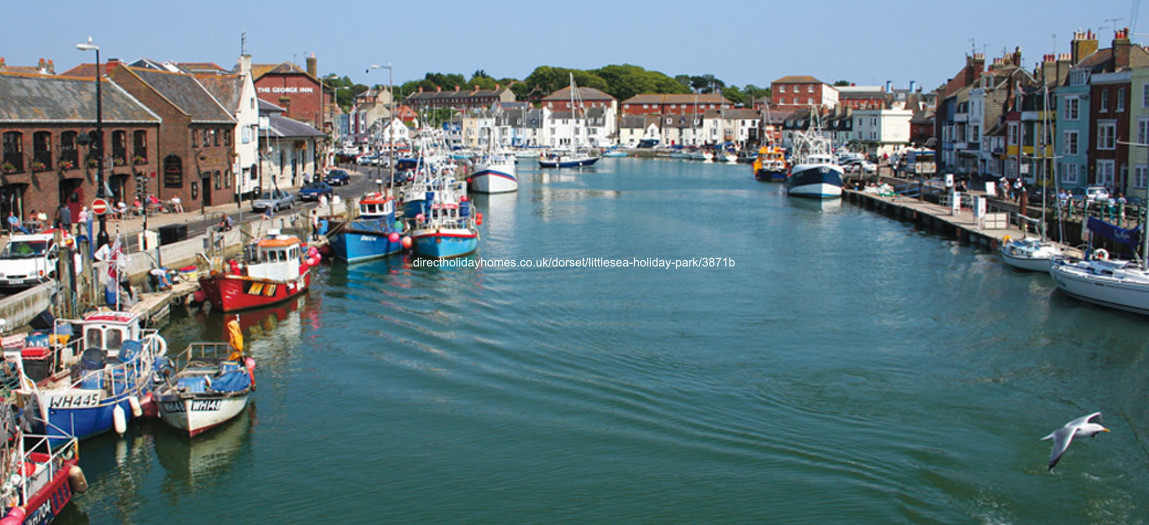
843, 368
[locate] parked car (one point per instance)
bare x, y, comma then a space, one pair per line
311, 192
274, 199
28, 260
1096, 193
1037, 195
337, 177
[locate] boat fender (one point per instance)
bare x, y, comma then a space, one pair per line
120, 419
134, 402
249, 363
15, 516
1100, 254
199, 296
178, 300
1005, 240
76, 479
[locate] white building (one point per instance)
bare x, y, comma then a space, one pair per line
882, 131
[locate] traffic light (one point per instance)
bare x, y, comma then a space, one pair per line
141, 186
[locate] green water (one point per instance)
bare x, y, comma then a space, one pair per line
843, 368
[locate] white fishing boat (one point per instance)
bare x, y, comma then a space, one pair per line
1031, 253
495, 172
205, 385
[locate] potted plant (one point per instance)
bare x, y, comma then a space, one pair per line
8, 167
67, 164
92, 163
118, 161
38, 166
139, 159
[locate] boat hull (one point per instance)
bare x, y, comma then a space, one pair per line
445, 243
81, 421
819, 181
45, 504
496, 178
199, 414
568, 163
1121, 289
363, 240
768, 175
1028, 255
236, 292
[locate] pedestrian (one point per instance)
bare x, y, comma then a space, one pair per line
322, 200
160, 279
33, 221
225, 223
177, 205
65, 219
269, 212
1017, 185
314, 222
82, 220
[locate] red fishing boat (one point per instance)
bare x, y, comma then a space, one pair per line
278, 268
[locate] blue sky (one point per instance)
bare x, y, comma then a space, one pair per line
739, 41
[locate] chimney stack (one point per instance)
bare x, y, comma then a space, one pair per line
245, 65
1121, 49
312, 66
3, 64
1084, 44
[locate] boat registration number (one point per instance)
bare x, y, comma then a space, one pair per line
197, 405
74, 400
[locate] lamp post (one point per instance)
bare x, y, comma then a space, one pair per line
102, 236
391, 124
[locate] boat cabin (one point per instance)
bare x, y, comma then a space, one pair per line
108, 331
376, 205
277, 257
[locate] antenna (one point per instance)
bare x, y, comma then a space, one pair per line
243, 42
1133, 15
1112, 23
972, 47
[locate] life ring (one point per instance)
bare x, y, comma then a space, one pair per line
1100, 254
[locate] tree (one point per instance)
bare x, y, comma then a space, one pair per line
626, 80
841, 82
733, 94
755, 93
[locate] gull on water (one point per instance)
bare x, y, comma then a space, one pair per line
1086, 426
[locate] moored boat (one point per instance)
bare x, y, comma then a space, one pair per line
818, 177
374, 234
446, 231
98, 381
770, 165
1031, 254
205, 385
495, 173
1119, 284
276, 270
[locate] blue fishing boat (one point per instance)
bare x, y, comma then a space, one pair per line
92, 383
374, 234
446, 231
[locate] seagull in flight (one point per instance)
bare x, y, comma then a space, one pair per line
1086, 426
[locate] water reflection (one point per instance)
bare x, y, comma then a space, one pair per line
201, 461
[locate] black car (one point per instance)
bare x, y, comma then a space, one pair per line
311, 192
337, 178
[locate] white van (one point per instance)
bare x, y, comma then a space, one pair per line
28, 260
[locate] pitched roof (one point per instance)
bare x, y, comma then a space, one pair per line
797, 79
227, 89
585, 93
186, 93
287, 128
677, 98
200, 68
86, 70
286, 68
50, 98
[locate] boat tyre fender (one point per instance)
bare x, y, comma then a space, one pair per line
1100, 254
76, 479
178, 300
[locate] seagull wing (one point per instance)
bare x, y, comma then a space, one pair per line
1081, 421
1061, 440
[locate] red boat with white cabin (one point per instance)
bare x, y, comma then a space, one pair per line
279, 267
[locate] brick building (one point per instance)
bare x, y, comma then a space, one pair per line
591, 98
300, 93
195, 140
45, 124
795, 92
463, 100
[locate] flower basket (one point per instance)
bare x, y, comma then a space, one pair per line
92, 163
118, 161
67, 165
8, 167
38, 166
139, 160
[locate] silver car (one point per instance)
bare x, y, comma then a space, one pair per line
274, 199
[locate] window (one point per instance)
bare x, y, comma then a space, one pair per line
13, 152
227, 179
782, 89
207, 137
1105, 172
1011, 130
195, 138
1120, 99
227, 137
1104, 101
119, 147
1145, 96
1069, 174
1139, 174
41, 151
1070, 143
1071, 107
1107, 135
218, 180
1143, 131
810, 89
140, 147
69, 156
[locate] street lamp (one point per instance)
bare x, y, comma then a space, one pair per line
102, 236
391, 124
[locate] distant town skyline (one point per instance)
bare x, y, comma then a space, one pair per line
740, 42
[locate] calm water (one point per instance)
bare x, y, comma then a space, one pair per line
847, 368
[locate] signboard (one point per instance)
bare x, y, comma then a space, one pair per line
173, 172
955, 203
99, 206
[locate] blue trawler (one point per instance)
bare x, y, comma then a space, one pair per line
374, 234
95, 382
446, 231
